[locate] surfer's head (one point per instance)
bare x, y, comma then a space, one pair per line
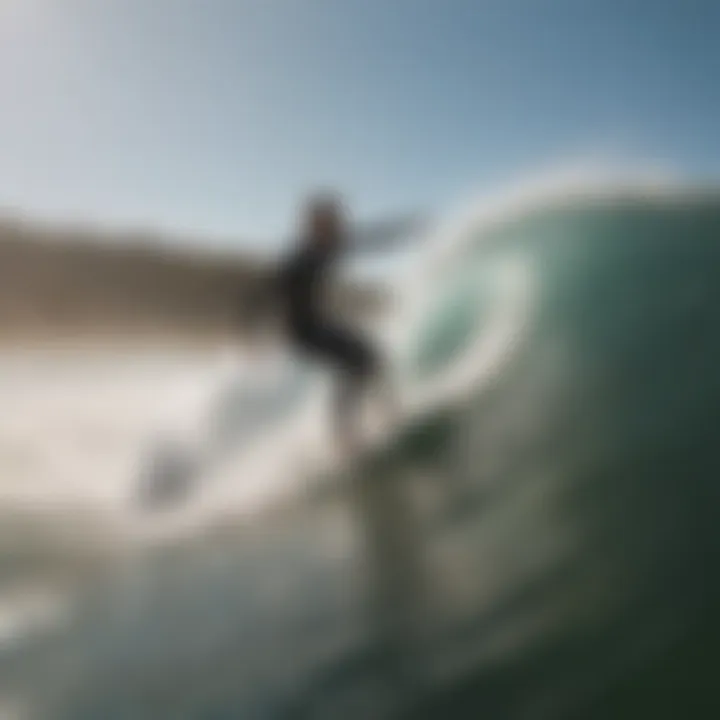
324, 220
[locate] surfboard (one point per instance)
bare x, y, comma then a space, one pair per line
243, 414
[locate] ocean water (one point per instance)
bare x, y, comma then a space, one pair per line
537, 540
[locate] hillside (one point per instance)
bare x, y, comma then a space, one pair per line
58, 284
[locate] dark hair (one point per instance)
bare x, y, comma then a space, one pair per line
325, 202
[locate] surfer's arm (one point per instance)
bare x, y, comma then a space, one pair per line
386, 236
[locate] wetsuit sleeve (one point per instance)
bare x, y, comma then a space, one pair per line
386, 236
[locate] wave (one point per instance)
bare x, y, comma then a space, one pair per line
534, 542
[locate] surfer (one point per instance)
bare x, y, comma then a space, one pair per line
308, 322
293, 293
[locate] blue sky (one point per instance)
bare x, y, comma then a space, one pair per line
218, 115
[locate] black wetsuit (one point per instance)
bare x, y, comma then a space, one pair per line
301, 285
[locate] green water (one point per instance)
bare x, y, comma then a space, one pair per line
564, 546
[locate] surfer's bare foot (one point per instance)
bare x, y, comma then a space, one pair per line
347, 445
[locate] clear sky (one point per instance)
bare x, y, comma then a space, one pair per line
217, 115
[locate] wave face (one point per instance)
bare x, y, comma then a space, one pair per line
538, 542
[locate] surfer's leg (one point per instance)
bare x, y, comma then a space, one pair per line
364, 372
356, 363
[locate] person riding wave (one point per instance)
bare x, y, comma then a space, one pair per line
309, 325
